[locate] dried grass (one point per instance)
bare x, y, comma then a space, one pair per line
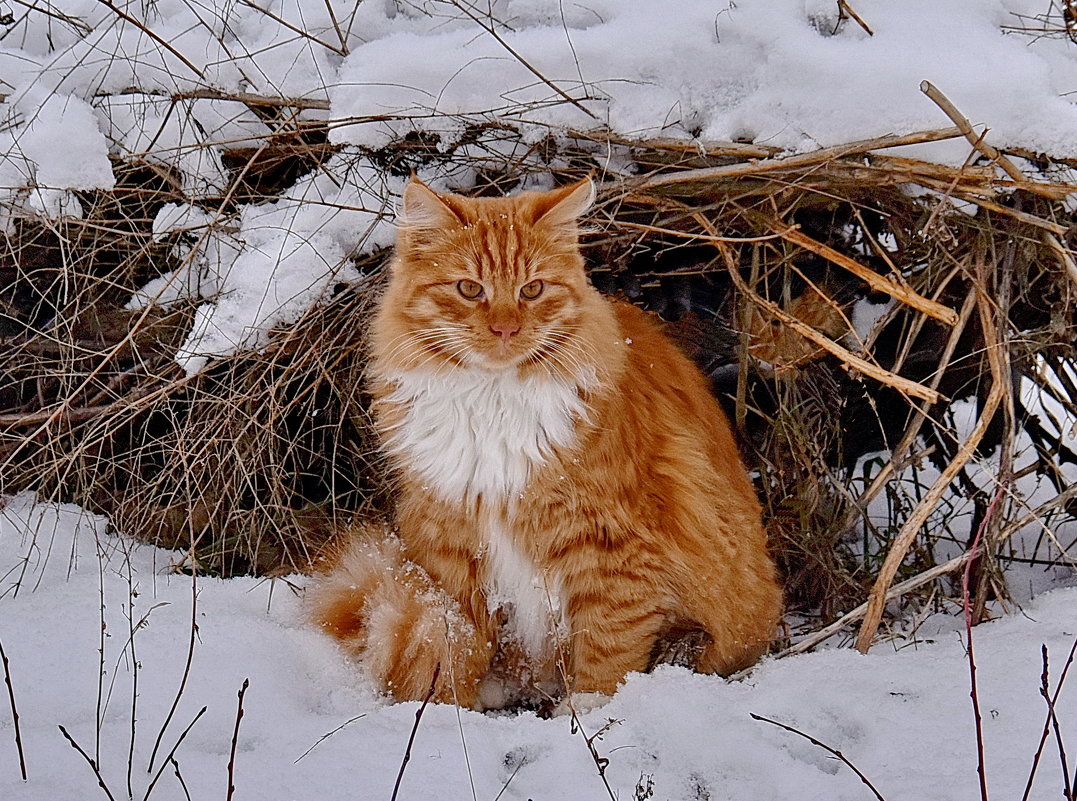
757, 261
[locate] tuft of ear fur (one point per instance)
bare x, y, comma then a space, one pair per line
423, 208
563, 206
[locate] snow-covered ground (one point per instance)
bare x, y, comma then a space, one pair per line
312, 728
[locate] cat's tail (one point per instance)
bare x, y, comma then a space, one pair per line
402, 628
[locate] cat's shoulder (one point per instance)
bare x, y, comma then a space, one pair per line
644, 332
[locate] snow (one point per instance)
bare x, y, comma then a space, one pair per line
90, 84
768, 72
901, 713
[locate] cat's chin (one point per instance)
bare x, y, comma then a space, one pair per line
498, 359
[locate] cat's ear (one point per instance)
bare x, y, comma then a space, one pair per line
562, 207
424, 209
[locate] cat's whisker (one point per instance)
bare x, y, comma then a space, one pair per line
572, 360
436, 338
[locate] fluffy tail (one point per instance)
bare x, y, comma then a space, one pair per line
388, 614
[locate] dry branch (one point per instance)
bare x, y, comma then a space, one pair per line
976, 140
899, 383
801, 161
912, 524
879, 283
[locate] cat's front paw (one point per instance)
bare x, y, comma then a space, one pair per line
580, 704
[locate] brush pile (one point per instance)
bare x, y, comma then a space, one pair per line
843, 302
892, 336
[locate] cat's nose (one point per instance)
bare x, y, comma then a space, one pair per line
505, 330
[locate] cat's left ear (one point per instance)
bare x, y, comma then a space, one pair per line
424, 209
563, 206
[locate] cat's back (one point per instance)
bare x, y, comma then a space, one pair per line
668, 383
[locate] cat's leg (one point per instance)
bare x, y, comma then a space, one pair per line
400, 625
614, 616
740, 624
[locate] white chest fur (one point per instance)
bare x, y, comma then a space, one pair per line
469, 432
514, 584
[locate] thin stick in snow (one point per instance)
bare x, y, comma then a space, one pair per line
186, 667
235, 740
14, 711
974, 550
90, 761
179, 778
601, 762
414, 729
329, 734
1052, 700
825, 747
172, 754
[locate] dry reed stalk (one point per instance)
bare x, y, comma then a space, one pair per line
899, 454
893, 593
901, 384
880, 283
911, 527
1017, 214
814, 158
1065, 257
992, 153
845, 8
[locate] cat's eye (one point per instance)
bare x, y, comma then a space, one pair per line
472, 290
532, 290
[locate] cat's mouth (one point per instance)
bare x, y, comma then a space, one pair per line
503, 354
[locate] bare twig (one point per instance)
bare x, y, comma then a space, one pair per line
235, 741
339, 50
119, 12
90, 761
179, 778
845, 760
974, 693
329, 734
186, 669
466, 7
170, 756
601, 762
14, 711
1052, 701
415, 729
791, 162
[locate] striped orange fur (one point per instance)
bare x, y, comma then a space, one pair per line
569, 490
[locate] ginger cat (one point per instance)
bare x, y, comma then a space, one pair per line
569, 490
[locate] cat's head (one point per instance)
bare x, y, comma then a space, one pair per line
495, 283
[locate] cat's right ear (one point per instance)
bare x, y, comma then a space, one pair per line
423, 209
